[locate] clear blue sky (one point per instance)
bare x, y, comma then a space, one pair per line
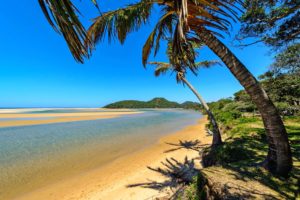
37, 70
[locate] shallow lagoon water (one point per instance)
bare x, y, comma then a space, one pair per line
25, 118
34, 156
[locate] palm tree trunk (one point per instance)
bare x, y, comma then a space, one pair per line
279, 158
217, 140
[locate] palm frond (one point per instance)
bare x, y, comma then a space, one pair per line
63, 17
161, 67
182, 52
160, 31
212, 16
119, 23
95, 2
207, 64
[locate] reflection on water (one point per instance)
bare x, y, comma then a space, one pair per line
32, 156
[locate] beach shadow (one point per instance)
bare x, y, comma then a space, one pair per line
241, 155
287, 187
177, 174
186, 144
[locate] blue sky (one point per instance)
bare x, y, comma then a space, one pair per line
37, 70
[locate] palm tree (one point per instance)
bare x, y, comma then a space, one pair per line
186, 20
163, 67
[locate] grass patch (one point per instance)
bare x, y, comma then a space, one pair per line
246, 145
190, 192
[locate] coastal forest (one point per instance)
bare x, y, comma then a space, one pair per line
256, 132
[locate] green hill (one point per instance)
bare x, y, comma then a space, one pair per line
191, 105
154, 103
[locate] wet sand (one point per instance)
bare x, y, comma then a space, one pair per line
111, 180
19, 119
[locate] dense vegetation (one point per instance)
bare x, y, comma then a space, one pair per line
154, 103
284, 91
276, 23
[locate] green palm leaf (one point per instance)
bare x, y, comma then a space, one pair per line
161, 31
62, 15
119, 23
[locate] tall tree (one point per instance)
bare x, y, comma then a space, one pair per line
163, 67
203, 20
284, 90
275, 22
287, 61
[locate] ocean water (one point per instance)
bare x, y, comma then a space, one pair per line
34, 156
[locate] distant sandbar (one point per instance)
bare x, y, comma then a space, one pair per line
17, 117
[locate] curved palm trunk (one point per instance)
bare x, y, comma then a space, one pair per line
217, 140
279, 158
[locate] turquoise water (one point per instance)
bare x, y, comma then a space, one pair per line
31, 156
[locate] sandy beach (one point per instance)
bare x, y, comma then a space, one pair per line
112, 180
19, 119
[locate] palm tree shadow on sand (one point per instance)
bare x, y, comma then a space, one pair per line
177, 175
188, 145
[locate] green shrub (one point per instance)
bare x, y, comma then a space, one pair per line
226, 116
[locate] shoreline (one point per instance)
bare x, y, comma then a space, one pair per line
110, 181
